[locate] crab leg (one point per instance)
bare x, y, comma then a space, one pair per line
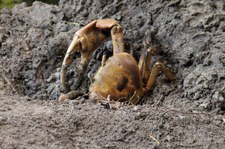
103, 60
117, 39
116, 33
146, 68
158, 67
145, 61
141, 62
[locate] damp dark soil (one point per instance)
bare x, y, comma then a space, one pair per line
189, 37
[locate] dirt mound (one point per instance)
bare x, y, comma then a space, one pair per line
189, 38
187, 34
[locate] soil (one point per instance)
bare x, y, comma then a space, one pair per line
189, 113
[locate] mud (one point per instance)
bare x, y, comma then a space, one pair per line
187, 114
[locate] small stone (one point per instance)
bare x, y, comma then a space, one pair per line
200, 80
63, 98
181, 117
206, 105
218, 96
3, 119
215, 96
136, 108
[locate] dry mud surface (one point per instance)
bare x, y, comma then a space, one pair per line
190, 38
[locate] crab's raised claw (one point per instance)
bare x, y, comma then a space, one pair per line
86, 41
68, 59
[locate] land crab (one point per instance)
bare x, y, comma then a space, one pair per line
120, 78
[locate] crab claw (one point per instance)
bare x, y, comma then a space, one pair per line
86, 41
68, 59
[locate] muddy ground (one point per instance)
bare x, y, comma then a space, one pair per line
189, 113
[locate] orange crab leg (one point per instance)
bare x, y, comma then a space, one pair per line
158, 67
146, 68
116, 33
141, 62
144, 63
117, 39
103, 60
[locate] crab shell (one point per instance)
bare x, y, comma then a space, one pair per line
118, 79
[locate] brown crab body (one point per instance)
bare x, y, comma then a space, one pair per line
119, 79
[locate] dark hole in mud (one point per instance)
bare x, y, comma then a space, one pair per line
188, 63
223, 108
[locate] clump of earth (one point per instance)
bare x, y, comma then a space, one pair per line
186, 114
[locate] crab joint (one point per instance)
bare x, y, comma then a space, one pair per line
152, 50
